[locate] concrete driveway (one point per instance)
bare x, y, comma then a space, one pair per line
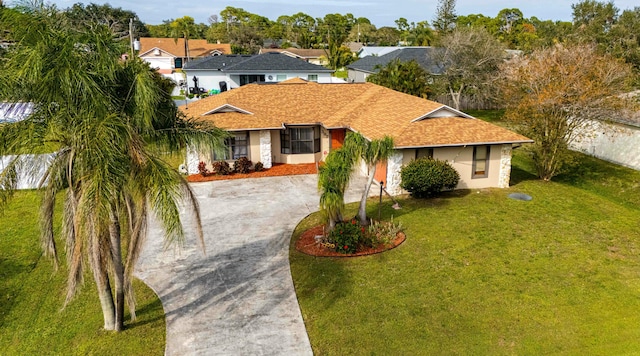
239, 298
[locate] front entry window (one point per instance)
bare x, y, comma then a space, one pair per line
298, 140
236, 146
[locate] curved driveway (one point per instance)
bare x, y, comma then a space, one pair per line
239, 298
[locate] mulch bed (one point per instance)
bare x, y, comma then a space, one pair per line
278, 169
307, 245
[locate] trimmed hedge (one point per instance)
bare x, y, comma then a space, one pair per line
425, 177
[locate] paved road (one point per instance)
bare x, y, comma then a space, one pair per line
239, 298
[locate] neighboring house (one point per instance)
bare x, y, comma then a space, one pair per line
313, 56
221, 73
355, 47
359, 70
376, 50
301, 122
169, 55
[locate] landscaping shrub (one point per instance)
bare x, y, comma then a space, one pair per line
221, 168
347, 236
382, 232
425, 177
202, 169
258, 167
242, 165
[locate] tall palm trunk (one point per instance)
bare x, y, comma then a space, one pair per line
362, 210
118, 267
101, 277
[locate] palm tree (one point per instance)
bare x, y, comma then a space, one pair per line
183, 27
106, 122
334, 175
372, 152
333, 178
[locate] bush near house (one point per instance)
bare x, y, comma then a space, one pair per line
426, 177
242, 165
221, 168
258, 167
202, 169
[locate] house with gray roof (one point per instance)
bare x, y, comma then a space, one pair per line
359, 70
220, 73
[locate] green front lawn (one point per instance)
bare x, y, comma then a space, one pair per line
484, 274
32, 295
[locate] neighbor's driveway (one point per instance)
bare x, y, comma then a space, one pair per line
238, 299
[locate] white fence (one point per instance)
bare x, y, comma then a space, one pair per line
617, 143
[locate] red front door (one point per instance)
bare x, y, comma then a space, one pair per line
337, 138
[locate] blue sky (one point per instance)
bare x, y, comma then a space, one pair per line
380, 12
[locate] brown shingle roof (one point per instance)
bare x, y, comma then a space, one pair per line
197, 48
370, 109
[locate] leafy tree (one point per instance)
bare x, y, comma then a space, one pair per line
303, 27
554, 91
162, 30
362, 32
244, 30
445, 20
421, 34
469, 63
407, 77
626, 35
387, 36
106, 119
404, 29
115, 18
593, 20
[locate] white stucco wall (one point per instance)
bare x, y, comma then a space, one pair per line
460, 158
160, 62
616, 143
209, 79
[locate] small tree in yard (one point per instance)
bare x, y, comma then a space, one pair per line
407, 77
469, 62
426, 177
554, 92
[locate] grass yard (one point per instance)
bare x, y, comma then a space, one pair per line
32, 295
484, 274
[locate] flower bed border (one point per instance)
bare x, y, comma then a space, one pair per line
307, 244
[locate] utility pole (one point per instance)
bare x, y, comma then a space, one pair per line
131, 36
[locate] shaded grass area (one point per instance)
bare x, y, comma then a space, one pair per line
484, 274
32, 295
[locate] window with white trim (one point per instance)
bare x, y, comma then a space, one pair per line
299, 140
312, 77
281, 77
481, 161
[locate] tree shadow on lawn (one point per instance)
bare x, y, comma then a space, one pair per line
323, 280
141, 313
519, 175
409, 204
